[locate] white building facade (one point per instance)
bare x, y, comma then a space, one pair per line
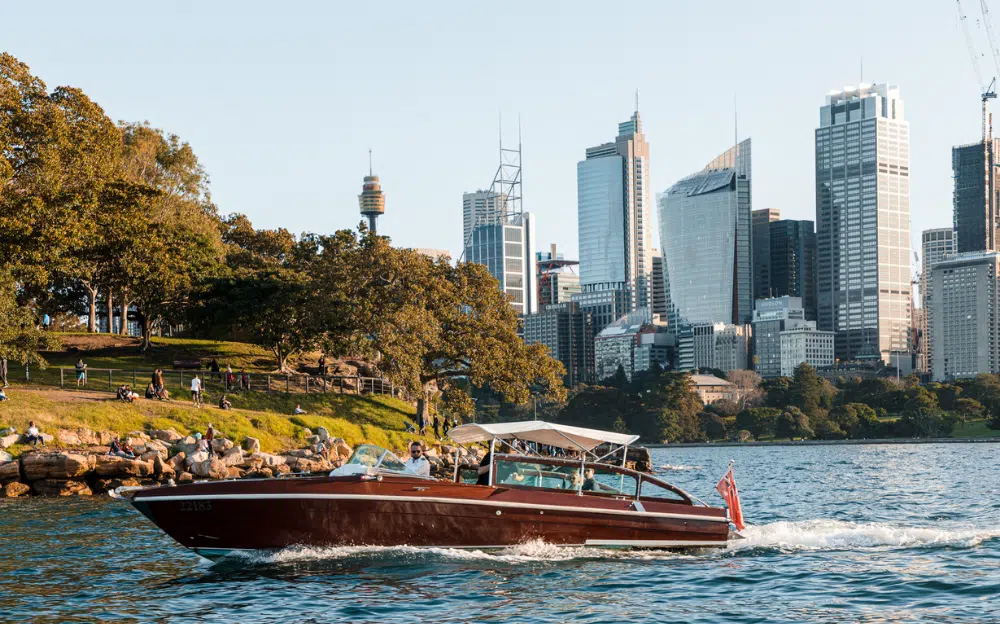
807, 345
965, 326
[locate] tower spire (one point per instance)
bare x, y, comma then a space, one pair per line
370, 161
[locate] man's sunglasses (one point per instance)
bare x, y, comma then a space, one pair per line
416, 452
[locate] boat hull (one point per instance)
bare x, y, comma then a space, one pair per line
250, 515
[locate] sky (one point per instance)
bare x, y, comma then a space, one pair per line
282, 101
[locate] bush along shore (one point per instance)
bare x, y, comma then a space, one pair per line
85, 467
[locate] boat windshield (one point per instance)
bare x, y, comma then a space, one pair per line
595, 479
376, 457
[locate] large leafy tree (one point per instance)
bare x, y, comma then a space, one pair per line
21, 339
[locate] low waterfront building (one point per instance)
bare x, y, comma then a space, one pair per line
711, 389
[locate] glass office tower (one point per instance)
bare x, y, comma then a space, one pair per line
863, 222
705, 235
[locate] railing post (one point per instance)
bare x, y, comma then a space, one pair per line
62, 379
110, 382
133, 379
182, 381
286, 384
269, 384
324, 385
307, 384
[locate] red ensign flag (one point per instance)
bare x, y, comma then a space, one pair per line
727, 487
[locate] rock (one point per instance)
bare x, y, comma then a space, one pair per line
163, 469
61, 487
159, 447
251, 445
298, 453
306, 431
5, 457
185, 477
431, 452
106, 485
268, 459
15, 489
222, 444
121, 467
47, 438
9, 440
233, 457
68, 438
149, 455
196, 458
281, 469
340, 448
11, 471
323, 434
177, 462
313, 440
7, 431
187, 446
166, 435
138, 435
55, 465
212, 469
234, 473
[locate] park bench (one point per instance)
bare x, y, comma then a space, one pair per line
191, 364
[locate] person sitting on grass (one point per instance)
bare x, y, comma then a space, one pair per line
298, 410
150, 392
3, 395
224, 403
34, 436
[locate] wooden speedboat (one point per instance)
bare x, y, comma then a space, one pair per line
372, 501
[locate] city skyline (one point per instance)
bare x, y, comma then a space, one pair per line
318, 96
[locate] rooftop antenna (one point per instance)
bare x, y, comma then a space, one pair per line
862, 71
637, 100
736, 124
370, 161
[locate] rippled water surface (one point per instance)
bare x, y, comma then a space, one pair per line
839, 534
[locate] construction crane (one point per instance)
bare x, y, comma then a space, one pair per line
988, 93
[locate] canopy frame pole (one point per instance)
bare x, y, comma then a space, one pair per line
493, 444
456, 464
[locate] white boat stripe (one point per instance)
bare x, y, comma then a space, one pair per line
428, 499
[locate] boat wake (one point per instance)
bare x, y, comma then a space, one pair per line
812, 535
674, 468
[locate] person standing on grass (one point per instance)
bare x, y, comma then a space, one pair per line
437, 427
3, 372
196, 391
46, 321
81, 373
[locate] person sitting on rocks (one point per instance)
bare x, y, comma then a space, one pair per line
224, 403
298, 410
417, 463
33, 436
117, 450
127, 449
3, 395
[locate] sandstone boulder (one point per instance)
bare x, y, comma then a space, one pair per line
163, 469
166, 435
268, 459
15, 489
232, 457
6, 431
306, 431
251, 445
55, 465
313, 440
281, 469
196, 458
159, 447
177, 462
106, 485
187, 446
121, 467
323, 434
340, 448
9, 440
302, 464
10, 471
234, 473
185, 477
68, 438
60, 487
298, 453
211, 469
138, 435
5, 457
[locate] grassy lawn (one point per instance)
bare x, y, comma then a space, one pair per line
378, 419
975, 429
110, 351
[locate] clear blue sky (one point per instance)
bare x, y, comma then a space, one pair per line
281, 101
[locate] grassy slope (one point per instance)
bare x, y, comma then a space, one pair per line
108, 351
377, 419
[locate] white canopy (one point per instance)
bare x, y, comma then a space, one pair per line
541, 432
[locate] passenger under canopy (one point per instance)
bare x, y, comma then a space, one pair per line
541, 432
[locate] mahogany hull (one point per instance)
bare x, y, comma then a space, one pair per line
220, 517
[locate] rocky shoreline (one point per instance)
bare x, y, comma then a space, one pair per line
84, 467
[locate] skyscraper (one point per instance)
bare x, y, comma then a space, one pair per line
761, 221
975, 219
478, 207
659, 281
613, 212
705, 235
965, 321
863, 221
568, 332
936, 244
793, 262
506, 247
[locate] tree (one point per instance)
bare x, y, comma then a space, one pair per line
621, 378
713, 425
809, 392
792, 423
777, 392
968, 409
759, 421
748, 384
20, 337
457, 403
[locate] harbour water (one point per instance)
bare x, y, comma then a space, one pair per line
881, 533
